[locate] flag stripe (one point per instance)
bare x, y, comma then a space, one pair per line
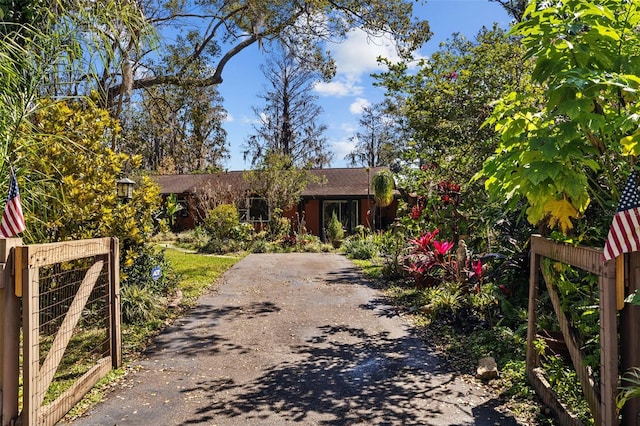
12, 218
633, 225
624, 234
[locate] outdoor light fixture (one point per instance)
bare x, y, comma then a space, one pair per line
124, 188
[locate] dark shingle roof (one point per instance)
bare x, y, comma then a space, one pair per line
337, 182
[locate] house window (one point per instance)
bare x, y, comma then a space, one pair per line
184, 211
255, 210
346, 211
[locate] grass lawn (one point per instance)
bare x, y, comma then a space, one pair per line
197, 272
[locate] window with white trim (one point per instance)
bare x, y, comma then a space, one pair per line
255, 210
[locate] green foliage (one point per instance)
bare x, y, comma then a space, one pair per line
393, 250
142, 295
631, 388
171, 209
67, 177
443, 105
362, 248
259, 246
383, 186
221, 221
634, 298
440, 204
335, 232
138, 266
183, 133
446, 100
563, 379
579, 299
279, 226
278, 181
568, 152
139, 304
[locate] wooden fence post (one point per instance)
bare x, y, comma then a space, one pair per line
629, 339
608, 345
9, 335
114, 303
533, 360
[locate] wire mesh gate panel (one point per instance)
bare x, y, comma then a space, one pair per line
601, 398
71, 323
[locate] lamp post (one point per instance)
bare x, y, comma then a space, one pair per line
124, 188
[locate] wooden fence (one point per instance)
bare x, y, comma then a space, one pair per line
599, 394
70, 300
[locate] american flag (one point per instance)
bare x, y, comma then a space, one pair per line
12, 219
624, 234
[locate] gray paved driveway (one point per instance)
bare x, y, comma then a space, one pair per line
293, 339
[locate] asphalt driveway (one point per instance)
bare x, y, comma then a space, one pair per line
294, 339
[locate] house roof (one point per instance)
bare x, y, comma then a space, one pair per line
337, 182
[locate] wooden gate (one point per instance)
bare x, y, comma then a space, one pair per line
601, 400
70, 323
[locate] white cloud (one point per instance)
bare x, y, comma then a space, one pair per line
355, 57
340, 87
358, 54
359, 105
341, 148
349, 128
228, 118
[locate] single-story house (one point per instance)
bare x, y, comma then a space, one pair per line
346, 191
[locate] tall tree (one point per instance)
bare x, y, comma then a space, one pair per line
444, 104
223, 29
277, 182
376, 142
180, 126
288, 123
515, 8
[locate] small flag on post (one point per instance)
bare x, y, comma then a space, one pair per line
624, 234
12, 219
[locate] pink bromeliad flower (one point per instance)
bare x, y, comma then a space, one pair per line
421, 243
477, 268
442, 247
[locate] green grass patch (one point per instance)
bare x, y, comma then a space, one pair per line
198, 272
371, 268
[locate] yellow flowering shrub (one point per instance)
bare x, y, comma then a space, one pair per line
67, 177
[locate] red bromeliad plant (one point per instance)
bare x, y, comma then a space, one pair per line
431, 262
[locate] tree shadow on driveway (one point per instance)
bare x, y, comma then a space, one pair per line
347, 376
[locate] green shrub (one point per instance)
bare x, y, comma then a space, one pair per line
221, 221
334, 229
361, 248
279, 226
139, 304
259, 245
309, 243
137, 267
243, 232
218, 246
393, 250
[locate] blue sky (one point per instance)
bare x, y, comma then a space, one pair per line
343, 99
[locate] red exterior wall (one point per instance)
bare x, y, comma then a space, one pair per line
312, 216
312, 211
